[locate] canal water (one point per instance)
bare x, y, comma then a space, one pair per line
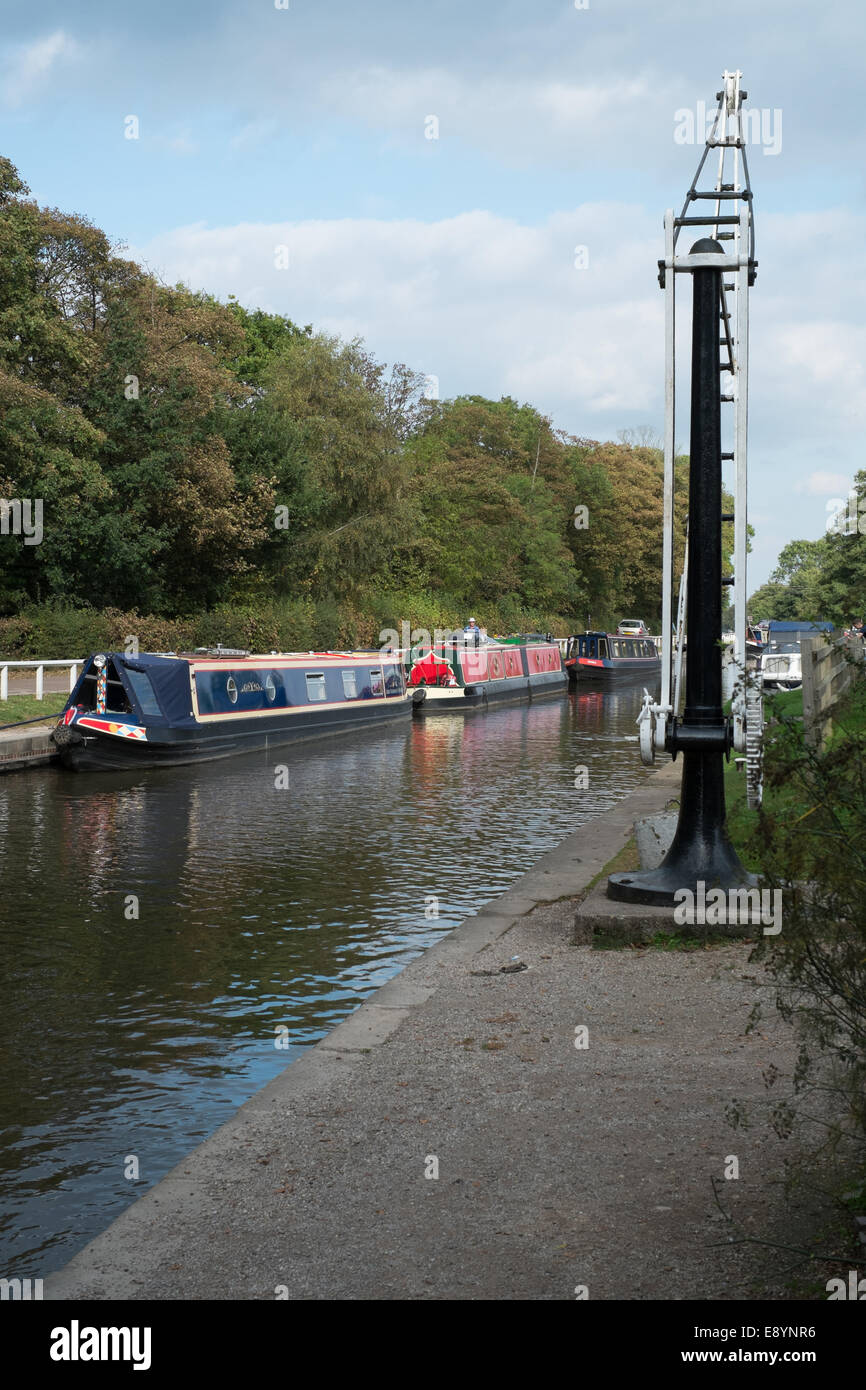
162, 932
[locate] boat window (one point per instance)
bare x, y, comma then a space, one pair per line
393, 683
350, 685
602, 647
143, 691
615, 648
592, 646
377, 685
316, 686
232, 689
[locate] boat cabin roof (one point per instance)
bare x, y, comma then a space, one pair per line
778, 628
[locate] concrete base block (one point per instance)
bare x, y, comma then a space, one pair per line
601, 921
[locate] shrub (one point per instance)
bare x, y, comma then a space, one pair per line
813, 847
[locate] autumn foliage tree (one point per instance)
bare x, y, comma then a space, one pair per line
190, 454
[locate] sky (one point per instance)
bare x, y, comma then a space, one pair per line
421, 175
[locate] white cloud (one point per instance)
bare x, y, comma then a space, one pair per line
28, 65
181, 144
523, 119
487, 304
253, 133
821, 484
493, 306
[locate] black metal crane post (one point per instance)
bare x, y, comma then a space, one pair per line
701, 850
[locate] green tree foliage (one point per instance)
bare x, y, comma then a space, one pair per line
48, 446
183, 526
193, 455
483, 522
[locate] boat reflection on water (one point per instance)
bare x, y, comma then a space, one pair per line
602, 708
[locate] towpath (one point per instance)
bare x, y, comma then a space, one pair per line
450, 1141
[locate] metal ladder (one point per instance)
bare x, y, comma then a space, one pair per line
729, 220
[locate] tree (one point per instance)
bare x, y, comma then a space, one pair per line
182, 529
345, 472
48, 448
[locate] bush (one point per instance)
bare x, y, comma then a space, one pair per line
812, 846
57, 631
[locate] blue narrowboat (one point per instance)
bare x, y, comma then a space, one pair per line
157, 711
608, 656
459, 676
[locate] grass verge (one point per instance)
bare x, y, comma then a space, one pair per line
19, 707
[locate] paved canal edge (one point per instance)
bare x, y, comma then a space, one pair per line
108, 1266
22, 748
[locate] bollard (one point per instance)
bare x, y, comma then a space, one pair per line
701, 850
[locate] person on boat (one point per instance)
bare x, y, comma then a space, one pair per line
472, 632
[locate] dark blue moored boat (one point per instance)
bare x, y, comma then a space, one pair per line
159, 711
607, 656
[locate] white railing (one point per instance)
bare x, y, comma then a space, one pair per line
39, 668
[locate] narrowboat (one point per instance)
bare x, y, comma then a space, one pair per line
782, 657
458, 676
607, 656
153, 710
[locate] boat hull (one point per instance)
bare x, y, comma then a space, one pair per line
89, 750
614, 672
465, 699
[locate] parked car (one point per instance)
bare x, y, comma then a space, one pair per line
633, 627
